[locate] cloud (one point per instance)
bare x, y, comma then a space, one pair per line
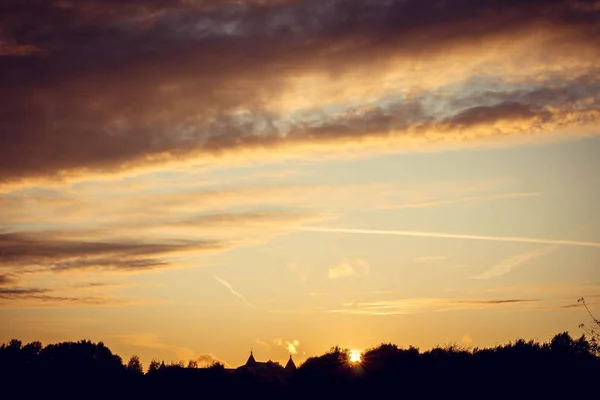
97, 91
443, 202
425, 305
232, 290
507, 265
452, 236
292, 346
243, 222
29, 297
349, 268
254, 218
40, 251
10, 49
205, 360
207, 204
571, 290
289, 345
5, 280
162, 84
265, 344
46, 268
89, 229
16, 292
101, 286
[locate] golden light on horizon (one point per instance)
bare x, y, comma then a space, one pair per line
355, 356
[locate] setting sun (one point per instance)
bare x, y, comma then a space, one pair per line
355, 356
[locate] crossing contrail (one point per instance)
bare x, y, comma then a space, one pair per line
452, 236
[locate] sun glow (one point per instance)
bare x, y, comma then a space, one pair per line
355, 356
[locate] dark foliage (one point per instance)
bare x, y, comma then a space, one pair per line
562, 367
592, 329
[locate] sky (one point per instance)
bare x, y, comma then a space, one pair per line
193, 180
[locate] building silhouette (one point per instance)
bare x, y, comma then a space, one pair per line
268, 369
290, 366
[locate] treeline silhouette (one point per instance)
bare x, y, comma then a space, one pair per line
563, 367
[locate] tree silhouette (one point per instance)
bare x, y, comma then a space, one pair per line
521, 369
216, 366
135, 365
154, 366
15, 344
594, 330
387, 357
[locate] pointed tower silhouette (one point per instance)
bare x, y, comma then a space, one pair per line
290, 366
251, 361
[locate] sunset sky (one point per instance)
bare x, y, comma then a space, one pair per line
195, 179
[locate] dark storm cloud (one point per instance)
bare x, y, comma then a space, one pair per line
108, 85
47, 251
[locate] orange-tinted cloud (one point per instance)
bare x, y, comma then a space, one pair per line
5, 280
165, 82
349, 268
291, 346
31, 297
424, 305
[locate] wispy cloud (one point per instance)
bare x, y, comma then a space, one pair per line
265, 344
508, 264
561, 290
424, 305
350, 267
442, 202
232, 290
443, 235
29, 297
13, 49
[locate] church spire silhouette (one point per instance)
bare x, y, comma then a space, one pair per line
290, 366
251, 360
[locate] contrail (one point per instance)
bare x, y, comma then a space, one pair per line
508, 264
232, 290
452, 236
